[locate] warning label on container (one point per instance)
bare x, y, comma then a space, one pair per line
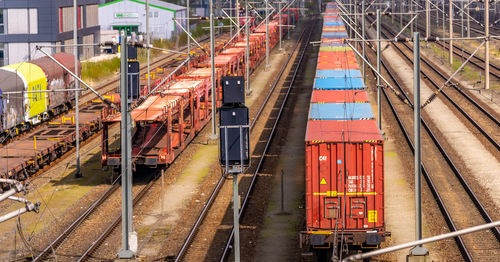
372, 216
323, 181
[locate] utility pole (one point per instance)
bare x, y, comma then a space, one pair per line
379, 92
451, 31
78, 172
267, 35
393, 9
363, 34
231, 16
411, 11
126, 160
444, 28
290, 22
487, 44
400, 13
247, 37
427, 19
468, 21
212, 65
349, 16
188, 29
418, 251
238, 17
148, 43
279, 20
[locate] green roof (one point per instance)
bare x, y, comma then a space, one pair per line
152, 3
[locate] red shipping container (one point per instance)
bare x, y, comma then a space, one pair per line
339, 96
344, 179
337, 60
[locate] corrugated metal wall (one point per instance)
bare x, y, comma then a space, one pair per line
88, 51
92, 15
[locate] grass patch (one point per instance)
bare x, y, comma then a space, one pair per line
95, 71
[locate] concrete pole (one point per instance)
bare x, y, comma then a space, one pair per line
411, 10
236, 218
451, 30
212, 65
267, 35
487, 44
350, 12
400, 13
231, 15
247, 37
126, 159
279, 20
238, 17
148, 42
419, 250
379, 92
468, 21
78, 172
363, 44
416, 130
444, 28
427, 19
290, 23
393, 10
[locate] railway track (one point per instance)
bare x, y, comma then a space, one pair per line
302, 43
86, 105
478, 115
114, 186
107, 231
476, 60
446, 183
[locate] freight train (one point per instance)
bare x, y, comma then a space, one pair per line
21, 106
168, 120
344, 152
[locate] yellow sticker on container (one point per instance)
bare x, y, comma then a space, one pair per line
372, 216
323, 181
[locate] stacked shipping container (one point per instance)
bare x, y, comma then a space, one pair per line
344, 150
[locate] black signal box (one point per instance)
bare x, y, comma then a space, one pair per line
133, 80
233, 90
234, 122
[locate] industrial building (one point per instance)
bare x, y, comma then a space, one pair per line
130, 15
25, 24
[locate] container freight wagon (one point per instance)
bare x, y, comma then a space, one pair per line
19, 109
168, 120
344, 153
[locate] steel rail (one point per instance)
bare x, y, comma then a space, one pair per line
116, 222
245, 202
220, 183
458, 107
453, 167
461, 245
457, 50
66, 233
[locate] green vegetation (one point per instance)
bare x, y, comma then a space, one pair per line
94, 71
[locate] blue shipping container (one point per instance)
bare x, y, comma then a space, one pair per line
335, 44
337, 36
333, 23
338, 73
338, 83
340, 111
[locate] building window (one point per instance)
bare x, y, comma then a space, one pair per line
156, 14
60, 20
3, 59
66, 18
2, 30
